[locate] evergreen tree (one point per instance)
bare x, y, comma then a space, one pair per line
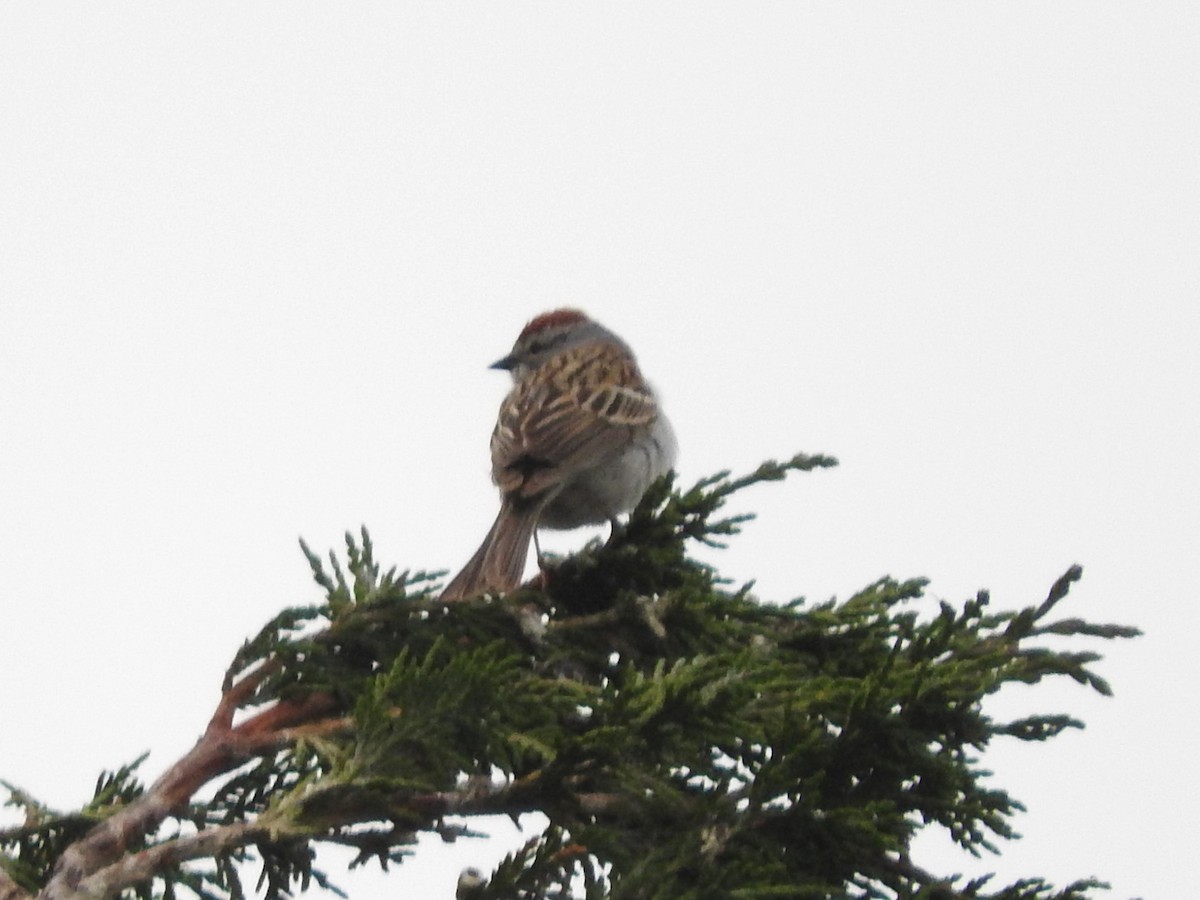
684, 739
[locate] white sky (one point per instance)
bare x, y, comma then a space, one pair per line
254, 259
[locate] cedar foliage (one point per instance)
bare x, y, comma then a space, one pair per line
684, 739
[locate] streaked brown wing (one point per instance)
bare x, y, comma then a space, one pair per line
583, 405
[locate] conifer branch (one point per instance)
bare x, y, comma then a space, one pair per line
9, 889
683, 738
136, 868
221, 748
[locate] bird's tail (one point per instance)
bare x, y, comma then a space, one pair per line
499, 562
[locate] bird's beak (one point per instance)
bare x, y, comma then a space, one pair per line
507, 364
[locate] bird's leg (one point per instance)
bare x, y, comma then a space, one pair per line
538, 582
613, 525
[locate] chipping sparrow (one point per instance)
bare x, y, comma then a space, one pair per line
578, 440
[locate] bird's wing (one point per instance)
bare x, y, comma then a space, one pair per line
578, 407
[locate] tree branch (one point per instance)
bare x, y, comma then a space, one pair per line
221, 748
135, 868
9, 889
237, 695
138, 867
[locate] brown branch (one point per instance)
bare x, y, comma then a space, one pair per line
98, 866
9, 889
475, 799
523, 795
288, 736
138, 867
237, 695
221, 748
589, 620
905, 868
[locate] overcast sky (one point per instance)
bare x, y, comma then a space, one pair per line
255, 259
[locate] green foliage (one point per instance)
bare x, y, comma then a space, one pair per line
31, 849
685, 739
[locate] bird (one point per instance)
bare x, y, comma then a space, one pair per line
578, 440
